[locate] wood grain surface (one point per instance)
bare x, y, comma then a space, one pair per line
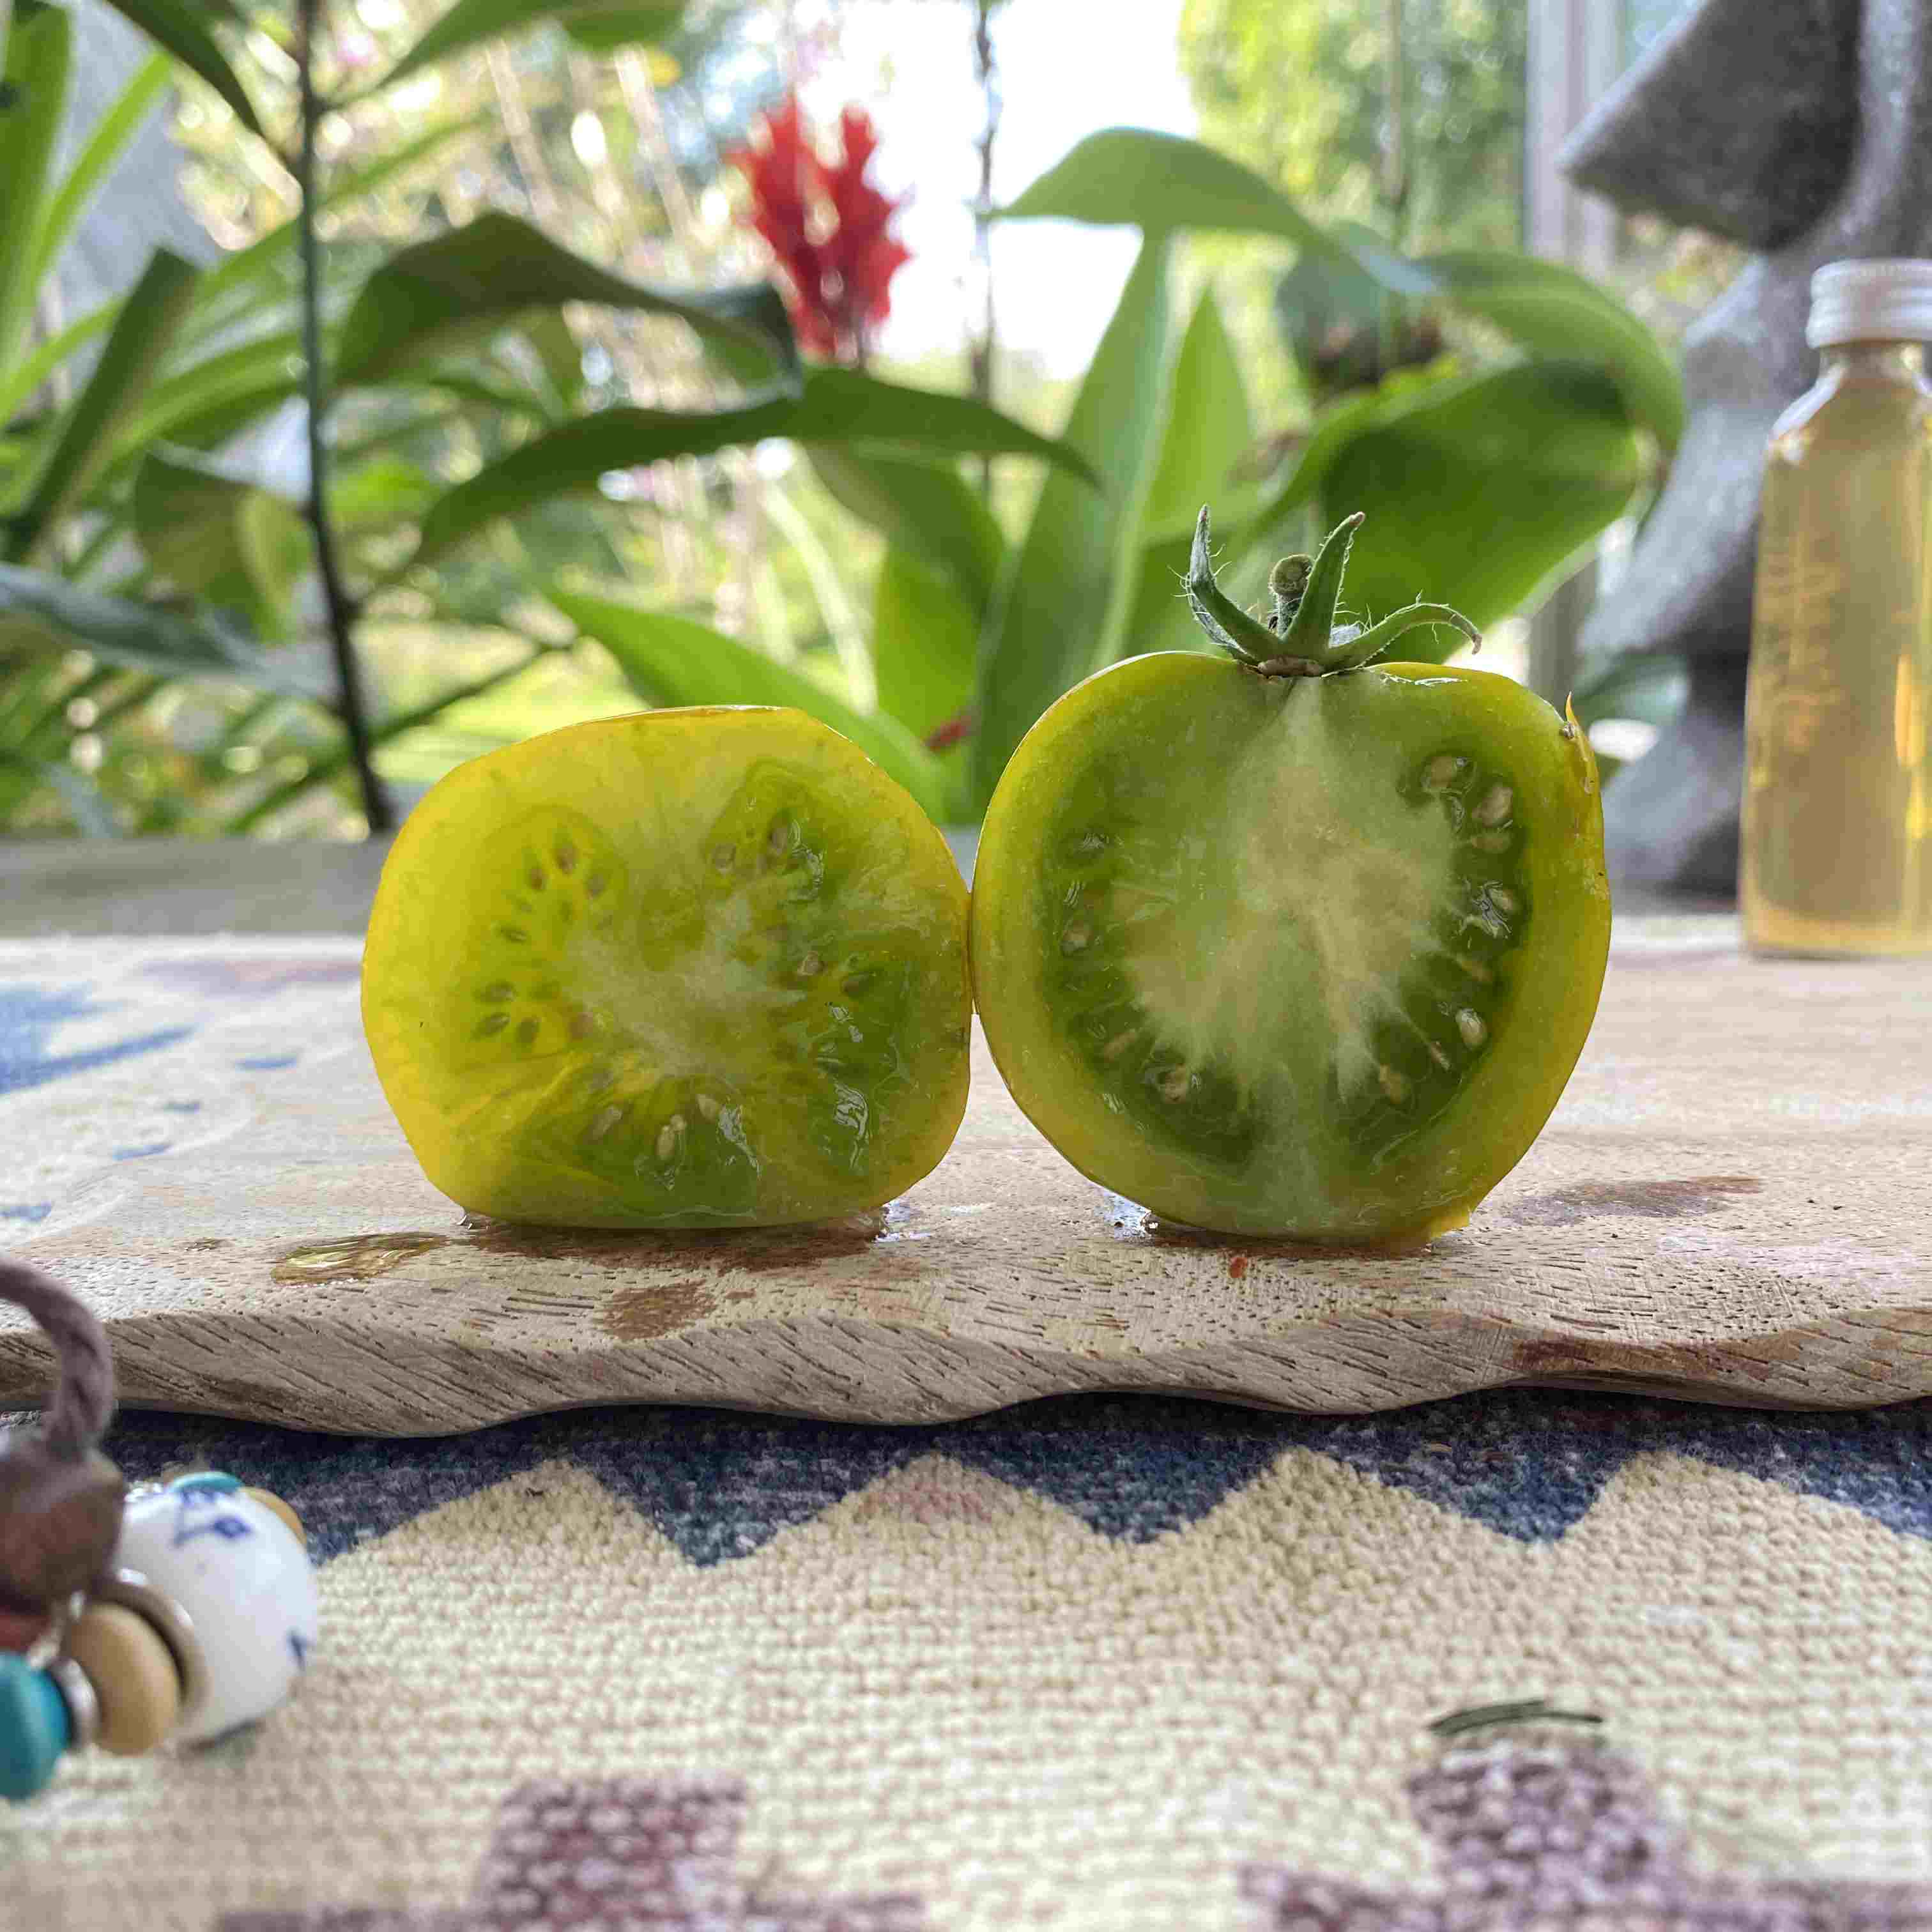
1731, 1204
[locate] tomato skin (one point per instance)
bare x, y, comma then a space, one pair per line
574, 941
1195, 743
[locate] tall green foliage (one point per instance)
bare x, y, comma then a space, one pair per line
128, 535
128, 532
1480, 484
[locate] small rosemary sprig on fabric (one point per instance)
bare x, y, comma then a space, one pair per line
1525, 1710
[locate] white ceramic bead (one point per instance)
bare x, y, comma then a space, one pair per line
244, 1579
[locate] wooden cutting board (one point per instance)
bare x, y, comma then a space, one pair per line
1733, 1204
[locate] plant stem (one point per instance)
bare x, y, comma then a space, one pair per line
980, 352
377, 809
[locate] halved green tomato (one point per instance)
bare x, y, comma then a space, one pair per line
1304, 956
689, 968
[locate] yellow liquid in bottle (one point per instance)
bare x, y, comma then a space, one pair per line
1836, 848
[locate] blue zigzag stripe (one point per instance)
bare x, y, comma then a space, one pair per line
719, 1484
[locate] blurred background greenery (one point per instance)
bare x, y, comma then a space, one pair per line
594, 312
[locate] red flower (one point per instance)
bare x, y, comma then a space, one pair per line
826, 224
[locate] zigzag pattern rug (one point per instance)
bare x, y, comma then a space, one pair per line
1095, 1663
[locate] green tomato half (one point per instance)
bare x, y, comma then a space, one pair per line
690, 968
1309, 956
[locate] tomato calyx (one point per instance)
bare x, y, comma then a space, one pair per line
1301, 638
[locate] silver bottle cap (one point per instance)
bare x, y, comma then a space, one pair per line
1885, 300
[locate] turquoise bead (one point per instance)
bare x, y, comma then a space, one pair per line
207, 1479
34, 1726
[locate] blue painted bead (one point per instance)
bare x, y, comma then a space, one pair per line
207, 1479
34, 1726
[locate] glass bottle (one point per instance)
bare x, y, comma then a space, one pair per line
1836, 848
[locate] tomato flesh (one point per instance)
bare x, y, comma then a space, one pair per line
1311, 957
687, 968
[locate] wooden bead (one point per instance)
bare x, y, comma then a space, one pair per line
133, 1674
62, 1515
269, 1500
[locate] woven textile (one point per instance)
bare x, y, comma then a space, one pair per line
1098, 1663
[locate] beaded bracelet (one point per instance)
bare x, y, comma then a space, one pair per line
167, 1612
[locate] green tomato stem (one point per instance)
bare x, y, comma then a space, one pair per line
1288, 584
1246, 639
1311, 629
1302, 639
1354, 646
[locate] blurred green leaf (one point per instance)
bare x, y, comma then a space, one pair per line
925, 645
22, 452
39, 51
1557, 313
247, 279
443, 295
836, 405
1477, 489
51, 731
234, 544
394, 426
1135, 177
927, 511
505, 398
1208, 429
181, 27
1345, 330
470, 22
1338, 425
386, 489
556, 346
114, 391
842, 405
274, 543
602, 31
110, 135
674, 661
64, 616
85, 804
220, 419
254, 377
1053, 609
1160, 182
18, 384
